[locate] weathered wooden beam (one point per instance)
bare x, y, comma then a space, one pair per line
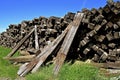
20, 44
111, 45
101, 38
96, 58
91, 26
109, 24
62, 53
27, 58
109, 36
112, 65
116, 35
108, 65
84, 41
86, 50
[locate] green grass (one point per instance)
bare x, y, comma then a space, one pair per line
75, 71
80, 71
6, 68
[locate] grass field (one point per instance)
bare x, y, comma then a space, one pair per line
69, 72
6, 69
75, 71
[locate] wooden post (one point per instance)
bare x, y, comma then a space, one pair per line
36, 39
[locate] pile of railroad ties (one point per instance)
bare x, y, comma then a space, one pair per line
90, 34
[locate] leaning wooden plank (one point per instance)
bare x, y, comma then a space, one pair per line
47, 51
61, 55
20, 44
36, 39
27, 58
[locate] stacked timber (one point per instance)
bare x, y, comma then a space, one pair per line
91, 34
100, 33
98, 36
47, 29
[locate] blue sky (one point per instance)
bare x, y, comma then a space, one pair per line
15, 11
